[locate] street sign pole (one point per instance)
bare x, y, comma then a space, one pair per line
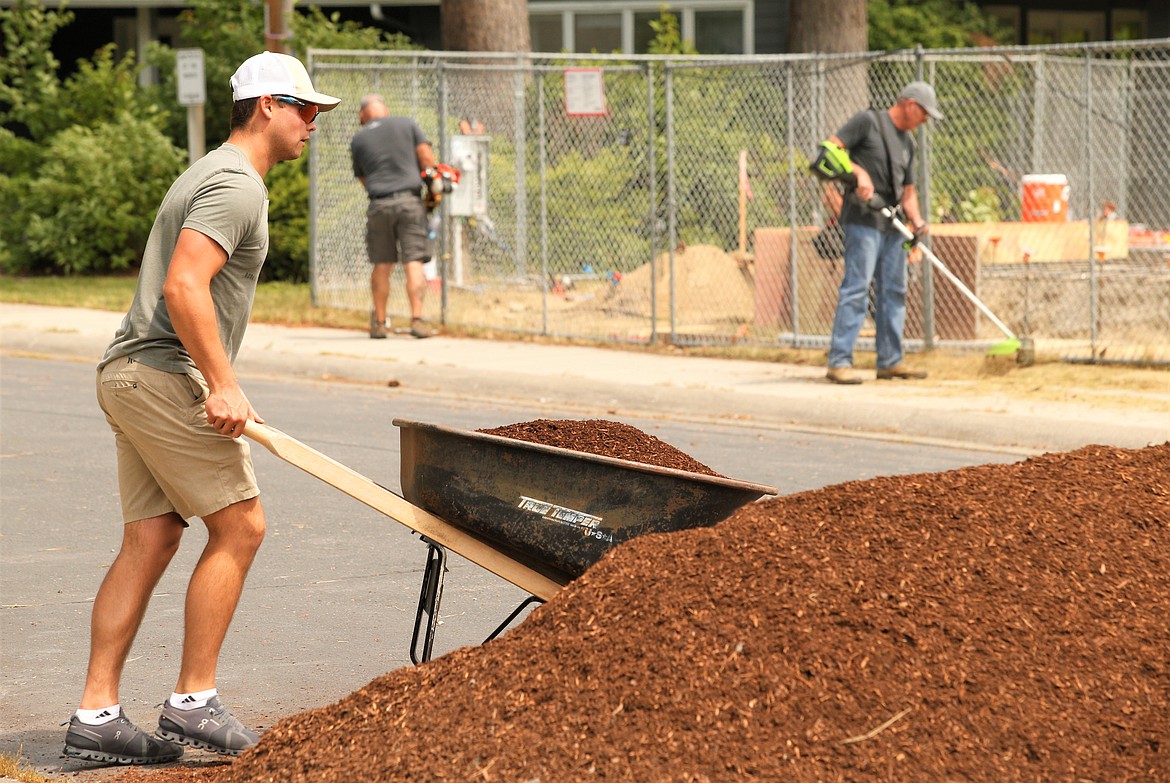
192, 86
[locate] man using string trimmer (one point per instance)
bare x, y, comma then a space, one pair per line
873, 156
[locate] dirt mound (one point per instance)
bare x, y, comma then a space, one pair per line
997, 623
708, 284
604, 438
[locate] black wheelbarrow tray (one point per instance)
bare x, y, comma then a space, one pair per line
559, 509
535, 515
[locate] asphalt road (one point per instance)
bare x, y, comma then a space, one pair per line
330, 603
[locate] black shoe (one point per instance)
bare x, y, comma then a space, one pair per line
117, 742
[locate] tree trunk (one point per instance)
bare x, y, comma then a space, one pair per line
486, 97
839, 28
485, 25
816, 26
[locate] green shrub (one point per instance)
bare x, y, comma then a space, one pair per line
288, 221
89, 207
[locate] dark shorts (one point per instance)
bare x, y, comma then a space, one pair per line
396, 230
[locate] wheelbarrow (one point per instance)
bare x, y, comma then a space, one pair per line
537, 516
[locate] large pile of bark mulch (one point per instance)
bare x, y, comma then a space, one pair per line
604, 438
996, 623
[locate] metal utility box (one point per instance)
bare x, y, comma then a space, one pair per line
469, 154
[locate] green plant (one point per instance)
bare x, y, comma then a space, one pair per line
90, 205
28, 69
667, 35
931, 24
982, 205
288, 222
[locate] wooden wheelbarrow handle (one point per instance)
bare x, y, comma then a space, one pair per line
377, 497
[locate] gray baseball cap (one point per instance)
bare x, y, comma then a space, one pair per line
922, 94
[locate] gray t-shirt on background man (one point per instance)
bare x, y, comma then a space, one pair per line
384, 153
862, 136
223, 197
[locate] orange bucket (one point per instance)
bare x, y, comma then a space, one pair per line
1044, 198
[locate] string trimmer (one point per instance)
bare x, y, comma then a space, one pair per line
1006, 348
832, 164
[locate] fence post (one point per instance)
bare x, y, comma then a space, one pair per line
651, 137
790, 111
671, 206
543, 202
445, 229
521, 189
1093, 265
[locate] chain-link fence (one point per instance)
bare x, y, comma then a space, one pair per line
638, 199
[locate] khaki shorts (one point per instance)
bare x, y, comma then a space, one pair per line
169, 457
396, 230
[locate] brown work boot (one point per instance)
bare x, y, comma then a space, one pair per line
904, 371
377, 330
843, 375
421, 329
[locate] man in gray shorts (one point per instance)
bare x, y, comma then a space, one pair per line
169, 393
389, 154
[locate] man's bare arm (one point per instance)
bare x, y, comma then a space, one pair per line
187, 291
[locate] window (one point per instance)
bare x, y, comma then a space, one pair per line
713, 26
719, 32
1129, 24
643, 32
600, 33
1058, 27
546, 32
1008, 16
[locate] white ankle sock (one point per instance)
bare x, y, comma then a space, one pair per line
193, 701
98, 717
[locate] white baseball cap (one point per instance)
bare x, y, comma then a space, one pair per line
271, 73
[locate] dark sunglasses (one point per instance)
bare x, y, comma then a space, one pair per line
308, 111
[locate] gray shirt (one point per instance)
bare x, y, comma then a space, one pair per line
862, 136
223, 197
384, 153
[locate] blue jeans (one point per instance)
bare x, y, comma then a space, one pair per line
870, 255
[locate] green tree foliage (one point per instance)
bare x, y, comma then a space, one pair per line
84, 159
90, 207
229, 32
667, 35
28, 69
79, 190
931, 24
288, 220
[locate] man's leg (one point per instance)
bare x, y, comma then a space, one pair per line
147, 548
416, 286
234, 536
861, 249
890, 311
380, 289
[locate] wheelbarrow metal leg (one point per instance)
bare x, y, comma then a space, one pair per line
515, 613
429, 599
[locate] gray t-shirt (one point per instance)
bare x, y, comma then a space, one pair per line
862, 136
223, 197
384, 153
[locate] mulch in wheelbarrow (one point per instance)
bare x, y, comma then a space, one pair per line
995, 623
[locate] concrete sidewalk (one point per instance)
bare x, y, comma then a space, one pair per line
604, 382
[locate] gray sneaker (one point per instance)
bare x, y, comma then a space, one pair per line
210, 728
117, 742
